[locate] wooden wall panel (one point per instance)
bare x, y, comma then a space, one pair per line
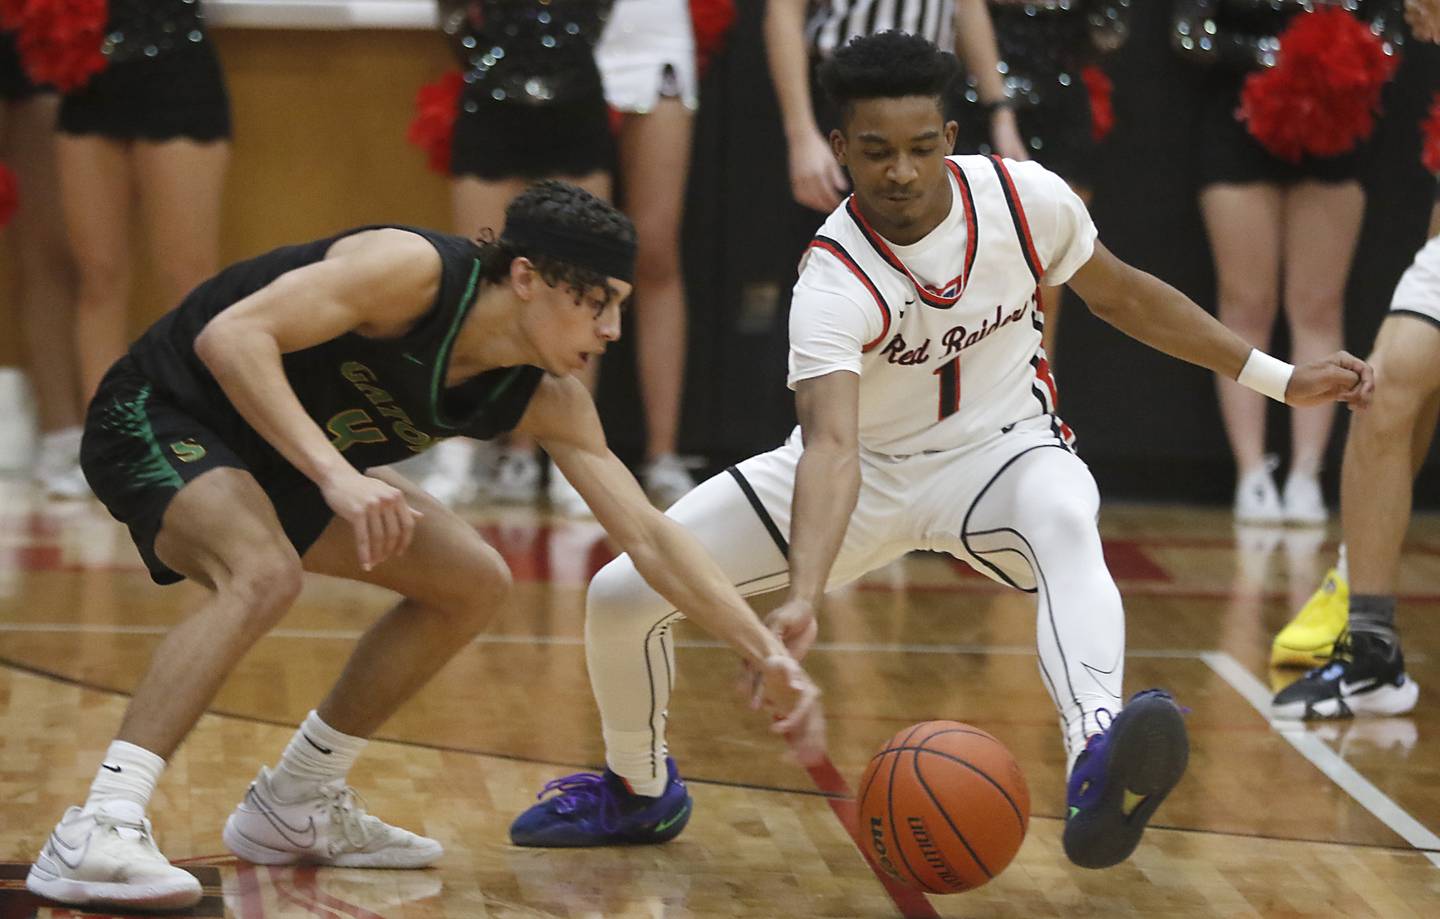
320, 120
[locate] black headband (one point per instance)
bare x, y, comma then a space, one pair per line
614, 258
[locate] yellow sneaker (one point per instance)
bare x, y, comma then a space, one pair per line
1308, 639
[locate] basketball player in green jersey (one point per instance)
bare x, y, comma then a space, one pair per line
241, 440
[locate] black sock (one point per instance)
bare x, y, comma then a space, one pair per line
1374, 615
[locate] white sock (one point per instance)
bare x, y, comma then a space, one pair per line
127, 774
1343, 566
316, 754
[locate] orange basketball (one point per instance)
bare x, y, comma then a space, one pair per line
943, 807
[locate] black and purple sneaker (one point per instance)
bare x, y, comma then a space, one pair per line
600, 810
1121, 777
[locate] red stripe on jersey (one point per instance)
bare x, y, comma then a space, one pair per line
1018, 209
1042, 371
839, 252
972, 234
929, 295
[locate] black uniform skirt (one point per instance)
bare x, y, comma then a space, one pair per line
1057, 131
1229, 154
179, 93
497, 139
14, 84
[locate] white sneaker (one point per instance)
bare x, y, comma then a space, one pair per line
1303, 501
328, 828
667, 480
516, 479
1257, 500
57, 465
108, 857
451, 479
564, 499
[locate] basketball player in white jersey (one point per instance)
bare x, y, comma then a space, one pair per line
927, 421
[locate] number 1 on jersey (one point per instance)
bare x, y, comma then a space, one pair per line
949, 374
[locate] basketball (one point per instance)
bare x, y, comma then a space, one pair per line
943, 807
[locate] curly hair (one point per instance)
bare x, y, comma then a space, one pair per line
564, 205
887, 65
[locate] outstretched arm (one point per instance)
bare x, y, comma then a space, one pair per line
1149, 310
562, 418
827, 485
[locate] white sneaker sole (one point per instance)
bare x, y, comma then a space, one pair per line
260, 854
255, 853
158, 895
1386, 701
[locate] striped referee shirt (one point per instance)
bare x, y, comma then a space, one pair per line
835, 22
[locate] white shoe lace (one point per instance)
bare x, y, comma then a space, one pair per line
348, 812
140, 835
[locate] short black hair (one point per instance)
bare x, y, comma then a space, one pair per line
886, 65
563, 205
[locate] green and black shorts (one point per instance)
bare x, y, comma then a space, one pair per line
141, 448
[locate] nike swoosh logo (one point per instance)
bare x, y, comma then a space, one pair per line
281, 827
664, 825
326, 750
110, 767
1350, 689
59, 846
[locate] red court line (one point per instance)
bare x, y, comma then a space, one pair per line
250, 904
827, 778
307, 881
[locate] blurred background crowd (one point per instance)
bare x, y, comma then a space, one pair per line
1274, 159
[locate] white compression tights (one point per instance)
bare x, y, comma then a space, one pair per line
1034, 522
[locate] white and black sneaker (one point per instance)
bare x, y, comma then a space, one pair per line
108, 857
327, 827
1366, 676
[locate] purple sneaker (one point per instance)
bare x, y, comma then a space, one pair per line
599, 810
1121, 777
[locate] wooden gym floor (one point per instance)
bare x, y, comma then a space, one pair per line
1332, 820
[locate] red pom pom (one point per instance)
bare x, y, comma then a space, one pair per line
12, 13
433, 128
711, 21
1430, 138
59, 41
1102, 113
1321, 96
9, 195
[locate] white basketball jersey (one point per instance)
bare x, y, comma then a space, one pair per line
943, 362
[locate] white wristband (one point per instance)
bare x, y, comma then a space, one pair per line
1269, 376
